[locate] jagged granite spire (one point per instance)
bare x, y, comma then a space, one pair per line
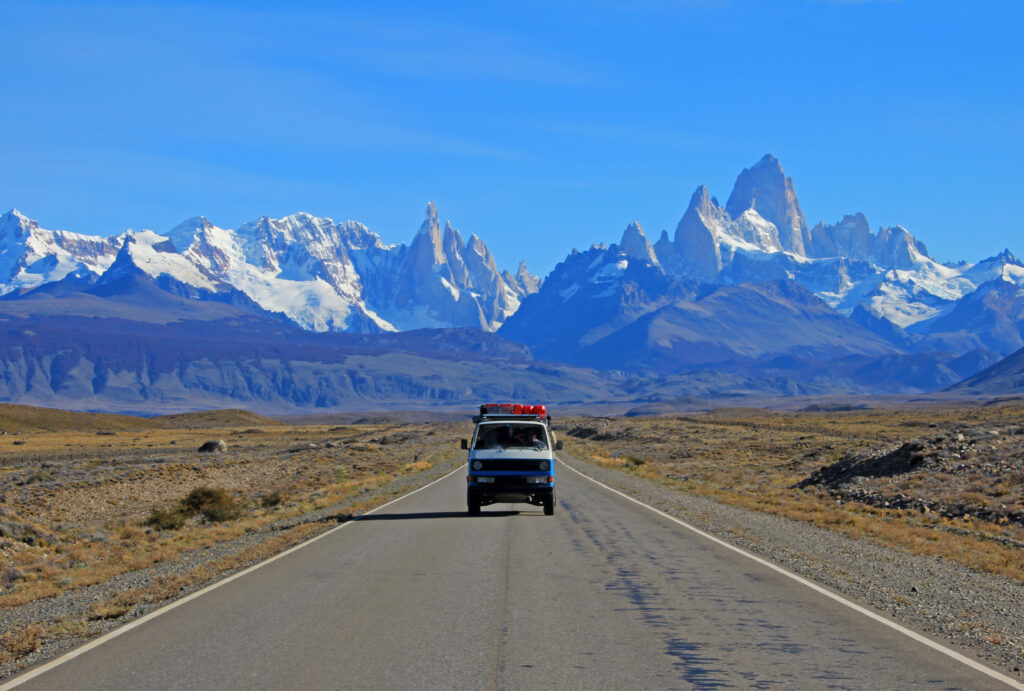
766, 189
635, 244
850, 238
526, 280
429, 240
696, 241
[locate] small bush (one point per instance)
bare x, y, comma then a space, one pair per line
271, 500
15, 644
107, 610
214, 503
171, 519
129, 533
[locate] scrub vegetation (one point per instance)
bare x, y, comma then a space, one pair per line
95, 501
947, 482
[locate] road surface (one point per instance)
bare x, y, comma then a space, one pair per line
604, 594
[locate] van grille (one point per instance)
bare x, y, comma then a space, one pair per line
515, 464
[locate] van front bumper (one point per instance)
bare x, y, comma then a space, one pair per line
514, 490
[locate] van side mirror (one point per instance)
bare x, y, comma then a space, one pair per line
464, 444
558, 445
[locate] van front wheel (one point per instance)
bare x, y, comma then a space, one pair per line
549, 506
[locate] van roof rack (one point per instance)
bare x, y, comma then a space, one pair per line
499, 417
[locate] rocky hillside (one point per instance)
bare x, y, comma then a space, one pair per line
973, 471
1005, 377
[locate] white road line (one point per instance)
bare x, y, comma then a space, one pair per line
974, 664
32, 674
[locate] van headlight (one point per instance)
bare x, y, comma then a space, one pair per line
477, 465
544, 465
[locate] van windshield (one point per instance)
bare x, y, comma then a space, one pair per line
511, 436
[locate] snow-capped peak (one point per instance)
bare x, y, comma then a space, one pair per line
529, 283
15, 214
766, 189
156, 256
320, 274
1005, 257
31, 256
1002, 267
184, 234
14, 224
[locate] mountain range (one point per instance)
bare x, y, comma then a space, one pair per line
751, 286
745, 297
321, 275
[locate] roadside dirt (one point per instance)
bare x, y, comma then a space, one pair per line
81, 551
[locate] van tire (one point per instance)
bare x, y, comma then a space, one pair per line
549, 506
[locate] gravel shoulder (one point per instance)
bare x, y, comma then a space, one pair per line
76, 604
978, 614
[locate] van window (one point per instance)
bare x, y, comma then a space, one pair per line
511, 436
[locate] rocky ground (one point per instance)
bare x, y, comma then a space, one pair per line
972, 472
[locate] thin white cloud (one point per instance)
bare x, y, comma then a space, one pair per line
422, 47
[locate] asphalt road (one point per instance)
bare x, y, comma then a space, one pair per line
604, 594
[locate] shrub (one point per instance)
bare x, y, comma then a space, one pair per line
214, 503
271, 500
172, 519
20, 643
107, 610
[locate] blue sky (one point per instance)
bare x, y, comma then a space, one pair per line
540, 126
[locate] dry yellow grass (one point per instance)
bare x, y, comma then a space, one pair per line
23, 418
216, 419
87, 495
753, 459
83, 485
16, 644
